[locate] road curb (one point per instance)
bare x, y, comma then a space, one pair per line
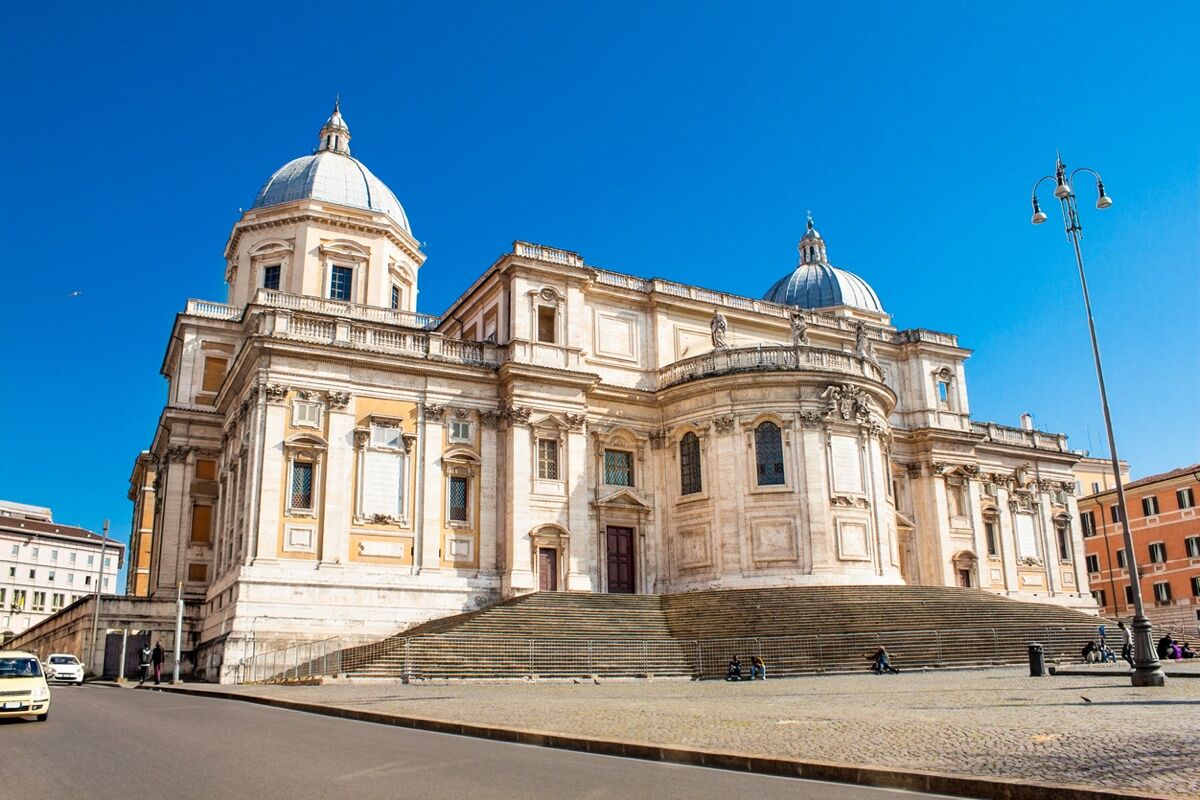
879, 777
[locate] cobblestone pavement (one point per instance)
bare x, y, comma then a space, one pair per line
995, 723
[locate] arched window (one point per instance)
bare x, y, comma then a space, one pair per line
689, 464
768, 454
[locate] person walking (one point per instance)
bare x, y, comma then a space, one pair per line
144, 663
157, 658
1126, 643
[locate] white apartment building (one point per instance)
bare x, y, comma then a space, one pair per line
45, 566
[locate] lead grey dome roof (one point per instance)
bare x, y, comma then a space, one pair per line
334, 178
822, 286
333, 175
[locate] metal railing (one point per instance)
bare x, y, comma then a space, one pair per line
295, 662
476, 656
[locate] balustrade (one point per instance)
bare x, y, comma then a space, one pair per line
746, 359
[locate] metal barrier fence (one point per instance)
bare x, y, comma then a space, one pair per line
464, 656
293, 663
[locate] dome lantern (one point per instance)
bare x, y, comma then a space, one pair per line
811, 245
335, 134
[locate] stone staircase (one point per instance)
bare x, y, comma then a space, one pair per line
797, 629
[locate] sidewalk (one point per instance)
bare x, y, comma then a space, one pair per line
996, 724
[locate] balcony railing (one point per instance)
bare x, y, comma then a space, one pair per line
1040, 440
768, 359
378, 338
550, 255
210, 310
272, 298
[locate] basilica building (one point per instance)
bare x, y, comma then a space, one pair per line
332, 462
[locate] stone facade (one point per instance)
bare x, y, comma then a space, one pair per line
331, 463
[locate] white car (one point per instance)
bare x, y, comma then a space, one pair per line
64, 668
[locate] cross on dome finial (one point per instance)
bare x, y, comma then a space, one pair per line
809, 215
335, 134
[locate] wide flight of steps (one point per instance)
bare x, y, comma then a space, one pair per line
795, 630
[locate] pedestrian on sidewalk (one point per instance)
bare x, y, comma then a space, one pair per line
157, 658
144, 663
1126, 643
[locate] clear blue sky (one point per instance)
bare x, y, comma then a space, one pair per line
679, 140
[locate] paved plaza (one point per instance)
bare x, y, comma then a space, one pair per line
990, 723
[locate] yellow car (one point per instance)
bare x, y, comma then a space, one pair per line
23, 689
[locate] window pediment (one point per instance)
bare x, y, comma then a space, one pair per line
624, 499
302, 442
345, 249
271, 247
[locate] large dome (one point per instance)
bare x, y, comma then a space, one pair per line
333, 175
815, 283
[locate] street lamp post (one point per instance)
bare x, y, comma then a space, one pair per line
1146, 669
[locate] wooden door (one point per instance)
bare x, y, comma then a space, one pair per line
620, 560
547, 569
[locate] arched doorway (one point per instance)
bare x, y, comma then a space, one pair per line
966, 573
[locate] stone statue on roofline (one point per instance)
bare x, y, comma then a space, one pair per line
862, 345
799, 328
719, 326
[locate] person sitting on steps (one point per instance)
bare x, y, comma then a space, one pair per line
881, 663
734, 671
757, 668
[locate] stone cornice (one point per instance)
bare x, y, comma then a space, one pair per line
310, 211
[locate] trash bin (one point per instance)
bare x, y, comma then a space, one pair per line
1037, 660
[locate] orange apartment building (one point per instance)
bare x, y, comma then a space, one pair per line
1165, 524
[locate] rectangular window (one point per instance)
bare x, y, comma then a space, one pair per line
57, 601
618, 468
1195, 587
306, 414
87, 580
1121, 559
1093, 563
18, 603
1162, 592
50, 577
459, 490
1128, 595
1185, 498
91, 561
206, 469
1088, 521
546, 324
16, 549
35, 553
548, 459
271, 276
386, 436
1158, 553
3, 596
107, 563
1114, 513
1150, 506
460, 431
1192, 543
197, 573
39, 601
395, 296
943, 391
340, 279
1064, 542
70, 577
54, 555
12, 572
33, 574
214, 373
1098, 596
989, 531
201, 525
72, 558
301, 495
1095, 486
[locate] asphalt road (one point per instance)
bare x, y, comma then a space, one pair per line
103, 743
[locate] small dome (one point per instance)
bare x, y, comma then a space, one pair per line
815, 283
333, 175
822, 286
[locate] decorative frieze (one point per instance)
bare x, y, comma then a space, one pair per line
434, 412
576, 421
516, 415
724, 424
275, 392
490, 418
847, 402
338, 401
